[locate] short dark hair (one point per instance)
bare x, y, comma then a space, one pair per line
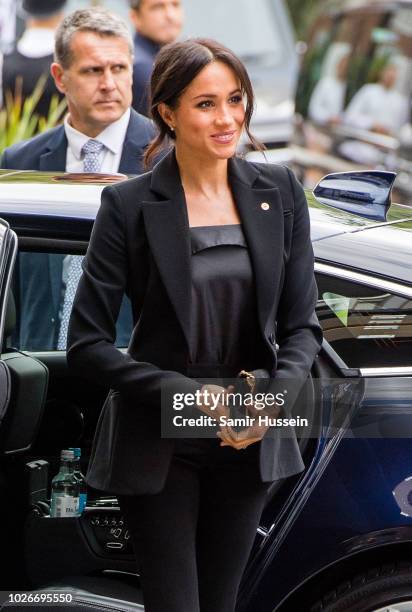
176, 65
135, 4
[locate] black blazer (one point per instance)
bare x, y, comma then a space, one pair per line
39, 325
140, 244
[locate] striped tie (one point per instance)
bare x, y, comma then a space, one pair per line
92, 162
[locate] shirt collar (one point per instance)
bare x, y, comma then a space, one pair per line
112, 137
36, 42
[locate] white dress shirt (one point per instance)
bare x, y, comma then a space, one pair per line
112, 137
374, 104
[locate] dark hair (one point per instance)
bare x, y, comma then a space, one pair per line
176, 65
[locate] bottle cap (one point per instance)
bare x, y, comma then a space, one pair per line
67, 455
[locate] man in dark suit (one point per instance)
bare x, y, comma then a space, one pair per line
157, 23
101, 133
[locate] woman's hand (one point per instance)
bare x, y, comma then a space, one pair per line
243, 438
240, 439
228, 436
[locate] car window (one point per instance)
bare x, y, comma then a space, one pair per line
366, 327
40, 288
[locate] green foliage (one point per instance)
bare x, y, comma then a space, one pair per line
309, 76
18, 119
302, 13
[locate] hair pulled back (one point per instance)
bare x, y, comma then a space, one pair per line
176, 65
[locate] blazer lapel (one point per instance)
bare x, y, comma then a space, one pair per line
54, 159
131, 160
167, 229
263, 227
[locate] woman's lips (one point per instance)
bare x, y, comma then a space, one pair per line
224, 137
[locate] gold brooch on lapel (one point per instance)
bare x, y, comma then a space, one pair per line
265, 206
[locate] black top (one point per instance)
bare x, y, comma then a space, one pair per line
224, 322
223, 309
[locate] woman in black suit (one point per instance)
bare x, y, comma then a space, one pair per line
215, 255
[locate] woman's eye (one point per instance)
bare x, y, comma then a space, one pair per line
236, 99
205, 104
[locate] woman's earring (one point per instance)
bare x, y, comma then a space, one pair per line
172, 129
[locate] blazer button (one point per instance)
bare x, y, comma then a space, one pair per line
265, 206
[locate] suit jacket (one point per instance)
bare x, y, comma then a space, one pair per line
140, 244
145, 51
39, 324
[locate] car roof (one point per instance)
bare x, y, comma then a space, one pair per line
383, 248
51, 193
32, 201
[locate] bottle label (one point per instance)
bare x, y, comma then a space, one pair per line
65, 505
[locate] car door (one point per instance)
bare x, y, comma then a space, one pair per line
8, 250
356, 486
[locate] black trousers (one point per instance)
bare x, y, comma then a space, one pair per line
193, 539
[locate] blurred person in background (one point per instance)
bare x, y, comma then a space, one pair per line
7, 25
23, 67
101, 133
377, 107
7, 32
328, 98
157, 23
325, 110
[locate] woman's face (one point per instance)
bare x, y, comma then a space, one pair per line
210, 114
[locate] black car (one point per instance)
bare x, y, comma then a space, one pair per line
338, 535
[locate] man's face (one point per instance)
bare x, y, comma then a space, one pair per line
389, 76
159, 20
97, 83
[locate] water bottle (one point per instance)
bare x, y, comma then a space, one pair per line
80, 478
65, 489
